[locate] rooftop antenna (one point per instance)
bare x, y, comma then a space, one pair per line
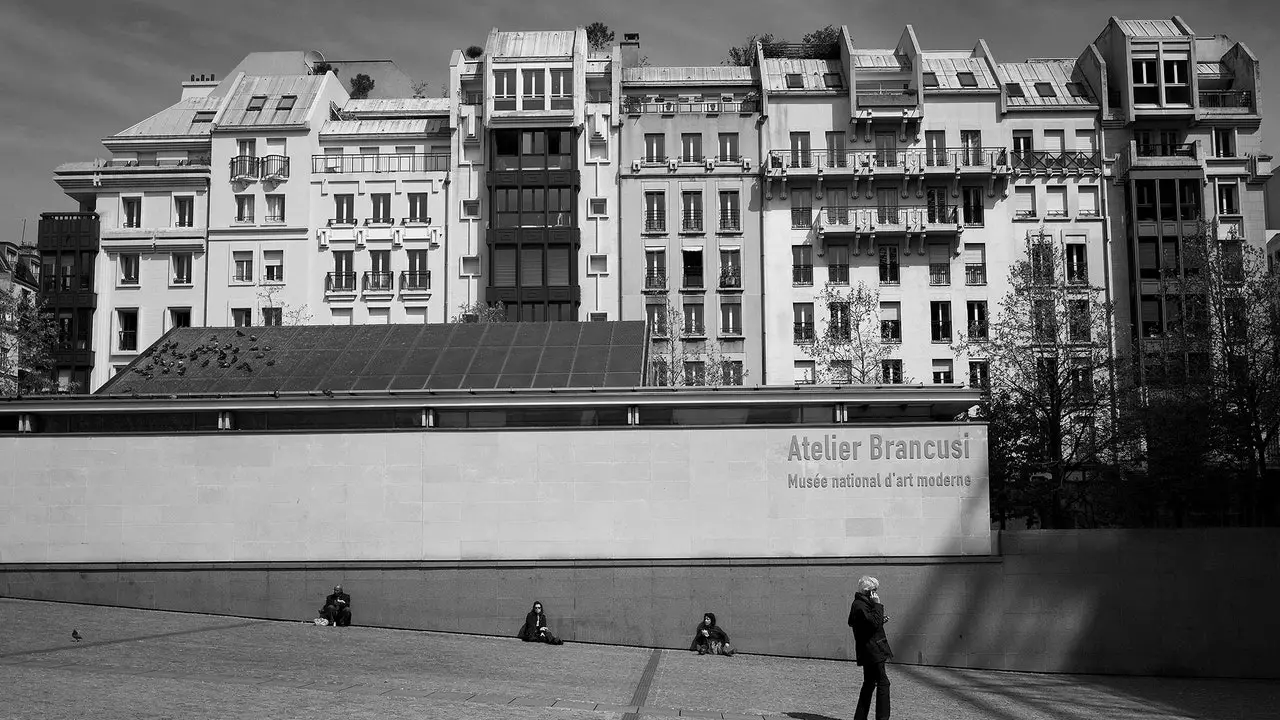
311, 58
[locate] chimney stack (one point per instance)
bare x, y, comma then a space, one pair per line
630, 47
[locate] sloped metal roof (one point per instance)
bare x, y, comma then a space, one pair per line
175, 120
390, 107
711, 75
398, 126
533, 43
1056, 72
274, 87
1152, 28
776, 70
1214, 70
945, 68
879, 60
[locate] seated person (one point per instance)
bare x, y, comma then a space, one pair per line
337, 608
535, 627
709, 639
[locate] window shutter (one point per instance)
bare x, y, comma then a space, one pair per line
1024, 201
530, 266
558, 266
975, 254
938, 254
890, 311
504, 267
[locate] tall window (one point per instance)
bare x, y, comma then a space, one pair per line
693, 274
800, 156
244, 208
655, 211
942, 372
973, 206
381, 208
1022, 146
691, 202
1224, 142
656, 315
730, 211
1087, 199
840, 323
1079, 321
504, 89
1177, 88
838, 264
801, 264
729, 147
535, 90
129, 266
655, 147
889, 274
127, 329
694, 321
891, 322
836, 154
184, 211
272, 316
1228, 199
886, 149
691, 147
561, 89
891, 372
802, 320
939, 264
730, 268
935, 143
1024, 202
273, 265
971, 147
418, 276
1145, 83
243, 266
275, 208
241, 317
655, 269
977, 311
418, 208
344, 209
181, 266
1057, 201
940, 321
980, 374
975, 264
801, 208
730, 317
1077, 264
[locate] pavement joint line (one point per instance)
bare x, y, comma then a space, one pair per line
645, 684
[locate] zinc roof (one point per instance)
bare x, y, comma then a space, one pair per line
712, 75
776, 70
274, 87
945, 68
396, 107
1213, 70
1152, 28
175, 120
533, 43
881, 59
399, 126
1056, 72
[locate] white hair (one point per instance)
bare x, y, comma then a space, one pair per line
866, 583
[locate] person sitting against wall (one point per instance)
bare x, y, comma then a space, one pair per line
337, 608
535, 627
709, 639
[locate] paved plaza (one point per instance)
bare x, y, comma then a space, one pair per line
142, 664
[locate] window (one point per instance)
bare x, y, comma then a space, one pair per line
1044, 324
691, 147
418, 208
730, 268
535, 90
179, 317
244, 208
1087, 199
971, 145
655, 211
561, 89
838, 264
800, 156
344, 209
655, 270
1057, 201
1024, 202
247, 147
980, 374
975, 264
695, 373
127, 330
129, 263
731, 372
839, 322
967, 79
1076, 90
795, 81
275, 209
203, 116
931, 79
1177, 91
1145, 91
1042, 262
257, 102
1224, 142
1077, 264
131, 212
940, 321
381, 208
977, 314
801, 264
273, 265
973, 206
801, 208
891, 372
272, 316
504, 89
730, 318
691, 203
891, 322
598, 207
655, 147
1045, 90
886, 149
597, 264
935, 143
693, 279
1022, 146
837, 156
656, 315
286, 102
1079, 322
802, 320
418, 276
1014, 90
1227, 199
942, 374
730, 211
184, 211
694, 321
243, 266
180, 263
831, 80
241, 317
659, 372
728, 144
805, 372
889, 265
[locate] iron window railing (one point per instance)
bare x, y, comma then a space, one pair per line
691, 221
245, 166
975, 274
801, 217
801, 274
838, 273
730, 221
941, 330
693, 281
891, 331
340, 282
939, 273
378, 281
655, 280
803, 332
1226, 99
380, 163
730, 278
410, 280
655, 222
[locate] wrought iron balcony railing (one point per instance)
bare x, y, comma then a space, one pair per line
340, 282
1167, 150
411, 281
378, 281
975, 274
801, 217
1049, 162
730, 221
635, 105
691, 221
1226, 99
730, 278
940, 273
803, 332
801, 274
838, 273
380, 163
244, 167
834, 217
655, 280
275, 167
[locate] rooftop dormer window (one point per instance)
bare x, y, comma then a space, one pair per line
1014, 89
831, 80
286, 102
1045, 90
203, 116
257, 102
795, 81
931, 79
967, 79
1076, 90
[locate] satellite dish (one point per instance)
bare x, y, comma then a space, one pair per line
312, 57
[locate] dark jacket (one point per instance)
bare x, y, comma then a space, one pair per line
532, 622
333, 599
713, 633
866, 617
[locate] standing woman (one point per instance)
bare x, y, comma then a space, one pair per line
867, 619
535, 627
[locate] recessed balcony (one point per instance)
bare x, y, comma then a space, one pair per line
1160, 160
887, 219
380, 163
1226, 101
844, 162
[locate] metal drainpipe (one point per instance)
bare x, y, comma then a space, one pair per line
762, 184
1110, 294
208, 213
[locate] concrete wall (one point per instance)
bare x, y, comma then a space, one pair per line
1134, 602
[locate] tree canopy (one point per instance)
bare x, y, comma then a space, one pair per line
599, 36
361, 86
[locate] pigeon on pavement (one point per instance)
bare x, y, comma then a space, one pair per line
75, 635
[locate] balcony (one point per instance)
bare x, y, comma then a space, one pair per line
730, 221
803, 332
693, 281
691, 222
940, 273
888, 218
1159, 161
275, 167
378, 282
655, 281
801, 274
885, 97
245, 168
340, 282
1227, 101
1051, 163
1168, 150
975, 274
637, 106
414, 281
730, 278
380, 163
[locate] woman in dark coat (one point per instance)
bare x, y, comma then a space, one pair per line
709, 639
535, 627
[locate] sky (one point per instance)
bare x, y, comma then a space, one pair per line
79, 70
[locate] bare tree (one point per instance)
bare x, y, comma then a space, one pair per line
28, 336
269, 298
599, 36
681, 355
849, 347
481, 312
